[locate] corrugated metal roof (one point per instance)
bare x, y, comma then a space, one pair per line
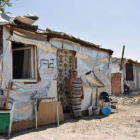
126, 60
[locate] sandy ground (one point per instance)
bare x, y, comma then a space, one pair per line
124, 125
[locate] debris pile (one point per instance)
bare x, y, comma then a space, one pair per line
129, 100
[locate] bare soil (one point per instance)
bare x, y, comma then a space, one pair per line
124, 125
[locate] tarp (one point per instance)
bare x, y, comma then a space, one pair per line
87, 59
5, 18
25, 20
22, 93
24, 105
96, 79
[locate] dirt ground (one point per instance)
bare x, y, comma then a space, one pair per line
124, 125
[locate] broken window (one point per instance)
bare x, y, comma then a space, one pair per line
129, 72
24, 64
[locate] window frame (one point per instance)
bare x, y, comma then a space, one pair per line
33, 61
132, 72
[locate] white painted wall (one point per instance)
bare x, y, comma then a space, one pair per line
87, 102
115, 68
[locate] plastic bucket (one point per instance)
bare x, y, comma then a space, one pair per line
90, 112
97, 111
106, 104
106, 110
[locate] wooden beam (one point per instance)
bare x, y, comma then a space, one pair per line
8, 92
30, 82
122, 57
45, 98
2, 99
75, 62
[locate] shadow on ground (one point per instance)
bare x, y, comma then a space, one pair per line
68, 119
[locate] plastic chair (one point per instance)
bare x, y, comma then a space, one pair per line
5, 109
5, 98
10, 111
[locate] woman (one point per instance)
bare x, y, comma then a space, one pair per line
76, 93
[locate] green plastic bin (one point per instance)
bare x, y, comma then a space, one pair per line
4, 121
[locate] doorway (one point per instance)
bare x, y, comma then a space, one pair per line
65, 66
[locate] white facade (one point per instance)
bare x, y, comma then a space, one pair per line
87, 59
115, 68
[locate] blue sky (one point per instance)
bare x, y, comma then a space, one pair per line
110, 23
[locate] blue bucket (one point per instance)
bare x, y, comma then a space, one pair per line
106, 110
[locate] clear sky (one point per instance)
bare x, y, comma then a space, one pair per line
110, 23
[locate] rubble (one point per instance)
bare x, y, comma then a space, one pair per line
129, 100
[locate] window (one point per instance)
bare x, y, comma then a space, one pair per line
129, 72
24, 64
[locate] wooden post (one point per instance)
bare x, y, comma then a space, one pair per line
96, 103
75, 62
8, 92
122, 57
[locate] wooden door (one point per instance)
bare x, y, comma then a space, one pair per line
116, 83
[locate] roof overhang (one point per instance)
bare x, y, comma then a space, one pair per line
15, 23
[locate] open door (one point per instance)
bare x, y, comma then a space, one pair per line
65, 66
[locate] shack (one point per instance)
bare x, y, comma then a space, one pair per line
129, 74
39, 63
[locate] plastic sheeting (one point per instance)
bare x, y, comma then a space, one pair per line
24, 105
23, 92
87, 59
45, 55
96, 79
90, 59
91, 80
102, 77
5, 18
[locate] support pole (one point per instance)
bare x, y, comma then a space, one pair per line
121, 67
122, 57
